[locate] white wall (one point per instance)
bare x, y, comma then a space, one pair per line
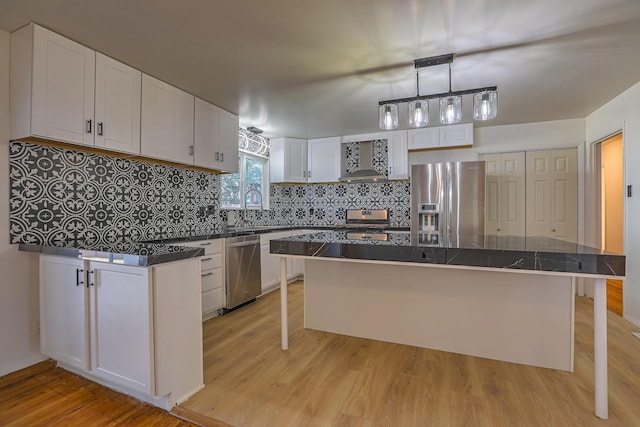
621, 113
19, 346
521, 137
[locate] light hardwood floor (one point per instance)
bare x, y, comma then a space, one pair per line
43, 395
328, 379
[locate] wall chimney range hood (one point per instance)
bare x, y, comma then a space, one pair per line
364, 171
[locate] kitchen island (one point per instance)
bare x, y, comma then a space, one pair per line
504, 298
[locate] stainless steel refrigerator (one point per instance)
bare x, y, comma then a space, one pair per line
447, 199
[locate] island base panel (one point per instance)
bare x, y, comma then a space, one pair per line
513, 317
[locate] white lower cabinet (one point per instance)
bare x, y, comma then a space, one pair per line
64, 311
120, 305
211, 275
137, 328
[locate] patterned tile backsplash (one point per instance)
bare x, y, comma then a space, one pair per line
61, 197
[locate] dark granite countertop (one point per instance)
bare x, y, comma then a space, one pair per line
135, 254
508, 252
150, 252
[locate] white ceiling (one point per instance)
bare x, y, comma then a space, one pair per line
305, 68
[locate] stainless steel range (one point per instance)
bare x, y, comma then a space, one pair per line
367, 224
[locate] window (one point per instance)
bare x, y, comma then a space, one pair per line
249, 187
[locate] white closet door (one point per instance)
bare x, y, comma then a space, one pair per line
552, 191
505, 194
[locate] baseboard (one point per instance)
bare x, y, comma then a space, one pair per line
633, 320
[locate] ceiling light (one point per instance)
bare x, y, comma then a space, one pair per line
418, 109
485, 105
388, 114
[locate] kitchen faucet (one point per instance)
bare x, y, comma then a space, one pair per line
244, 211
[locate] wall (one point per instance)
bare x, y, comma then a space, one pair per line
621, 113
19, 308
64, 197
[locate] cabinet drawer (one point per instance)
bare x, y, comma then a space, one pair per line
211, 279
210, 261
210, 246
212, 300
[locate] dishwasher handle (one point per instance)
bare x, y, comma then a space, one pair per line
245, 243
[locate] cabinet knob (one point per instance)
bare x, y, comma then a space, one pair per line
498, 229
553, 230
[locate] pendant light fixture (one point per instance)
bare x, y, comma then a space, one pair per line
485, 105
388, 116
485, 101
418, 109
451, 106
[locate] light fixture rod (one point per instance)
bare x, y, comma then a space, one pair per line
433, 60
440, 95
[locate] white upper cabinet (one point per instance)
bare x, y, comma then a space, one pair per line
440, 136
64, 91
167, 121
117, 107
323, 159
456, 135
215, 137
288, 160
52, 87
419, 139
228, 141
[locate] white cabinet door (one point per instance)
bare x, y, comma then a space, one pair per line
205, 135
398, 155
64, 311
228, 142
63, 88
456, 135
215, 137
323, 159
117, 105
167, 122
288, 160
423, 138
122, 325
552, 193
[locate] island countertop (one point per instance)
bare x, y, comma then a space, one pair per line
503, 252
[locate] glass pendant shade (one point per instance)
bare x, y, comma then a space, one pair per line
485, 105
388, 115
450, 110
418, 113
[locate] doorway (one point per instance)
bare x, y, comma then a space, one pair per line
612, 211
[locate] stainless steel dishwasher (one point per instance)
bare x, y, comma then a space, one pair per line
242, 265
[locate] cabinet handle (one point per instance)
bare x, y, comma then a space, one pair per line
89, 124
217, 156
309, 174
89, 282
191, 150
205, 244
498, 229
207, 259
553, 230
100, 128
78, 280
206, 274
222, 157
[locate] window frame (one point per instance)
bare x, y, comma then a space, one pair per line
242, 156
